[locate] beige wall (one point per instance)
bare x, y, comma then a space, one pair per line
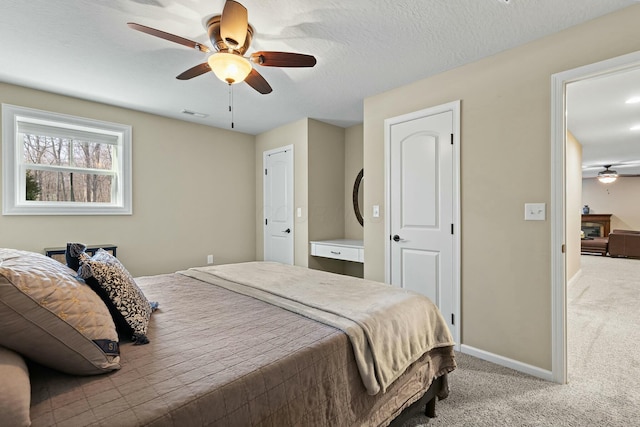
505, 162
292, 134
326, 181
573, 204
193, 193
326, 189
620, 198
353, 163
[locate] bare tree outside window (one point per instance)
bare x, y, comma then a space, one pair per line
68, 170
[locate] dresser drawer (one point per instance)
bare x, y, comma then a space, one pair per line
345, 253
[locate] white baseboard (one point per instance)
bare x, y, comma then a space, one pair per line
574, 279
508, 363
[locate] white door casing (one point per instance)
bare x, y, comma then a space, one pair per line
558, 215
422, 160
278, 205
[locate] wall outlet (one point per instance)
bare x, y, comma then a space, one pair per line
209, 259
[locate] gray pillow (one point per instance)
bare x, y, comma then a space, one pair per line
50, 317
15, 389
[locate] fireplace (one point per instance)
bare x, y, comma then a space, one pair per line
596, 225
592, 230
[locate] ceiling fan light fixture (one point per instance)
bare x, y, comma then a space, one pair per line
231, 35
607, 176
229, 67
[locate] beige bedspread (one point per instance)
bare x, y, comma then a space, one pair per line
389, 328
219, 358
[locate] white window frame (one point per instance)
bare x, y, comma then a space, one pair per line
13, 185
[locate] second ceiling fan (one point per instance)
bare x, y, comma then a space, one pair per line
231, 35
608, 175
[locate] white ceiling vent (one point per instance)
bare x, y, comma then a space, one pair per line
193, 113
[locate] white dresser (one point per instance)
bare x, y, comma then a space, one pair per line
344, 249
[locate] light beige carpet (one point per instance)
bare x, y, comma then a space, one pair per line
604, 364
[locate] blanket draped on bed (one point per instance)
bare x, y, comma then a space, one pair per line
389, 328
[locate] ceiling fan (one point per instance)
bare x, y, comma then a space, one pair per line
231, 34
608, 175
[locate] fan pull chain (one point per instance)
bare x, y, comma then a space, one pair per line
231, 103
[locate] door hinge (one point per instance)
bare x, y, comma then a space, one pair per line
265, 171
451, 228
266, 221
563, 248
451, 139
453, 319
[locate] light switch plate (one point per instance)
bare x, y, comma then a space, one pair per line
535, 211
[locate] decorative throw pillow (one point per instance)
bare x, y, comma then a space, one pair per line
72, 256
15, 389
50, 317
121, 289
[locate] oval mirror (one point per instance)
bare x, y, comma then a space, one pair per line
358, 195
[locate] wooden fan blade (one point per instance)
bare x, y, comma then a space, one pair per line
168, 36
194, 71
233, 24
256, 81
283, 59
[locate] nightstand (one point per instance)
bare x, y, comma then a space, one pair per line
58, 253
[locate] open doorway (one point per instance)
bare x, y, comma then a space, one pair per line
565, 211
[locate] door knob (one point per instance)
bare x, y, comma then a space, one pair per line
396, 238
288, 230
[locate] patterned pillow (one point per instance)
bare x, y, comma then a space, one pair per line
72, 253
72, 256
122, 290
50, 317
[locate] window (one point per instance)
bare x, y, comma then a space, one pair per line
54, 164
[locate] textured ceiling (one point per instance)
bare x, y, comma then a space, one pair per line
600, 118
84, 48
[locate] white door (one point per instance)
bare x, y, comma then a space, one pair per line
422, 208
278, 205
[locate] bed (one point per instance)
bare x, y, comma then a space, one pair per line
219, 354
